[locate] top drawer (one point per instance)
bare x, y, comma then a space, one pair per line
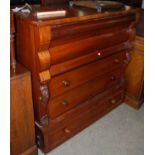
71, 40
81, 28
85, 28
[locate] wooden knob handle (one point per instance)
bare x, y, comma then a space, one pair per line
65, 103
66, 83
113, 101
113, 77
66, 130
99, 54
116, 61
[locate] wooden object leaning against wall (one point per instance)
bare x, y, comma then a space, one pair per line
22, 131
135, 70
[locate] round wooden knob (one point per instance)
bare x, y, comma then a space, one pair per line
113, 77
116, 61
66, 130
113, 101
65, 103
99, 54
66, 83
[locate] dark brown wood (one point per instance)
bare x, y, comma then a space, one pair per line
72, 59
135, 82
140, 26
135, 75
12, 36
135, 3
73, 121
98, 5
57, 84
86, 59
12, 27
54, 2
67, 51
21, 112
60, 104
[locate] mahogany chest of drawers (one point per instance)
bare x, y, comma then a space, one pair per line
77, 64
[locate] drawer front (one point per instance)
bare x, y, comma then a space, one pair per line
69, 80
71, 30
80, 117
73, 49
88, 58
70, 99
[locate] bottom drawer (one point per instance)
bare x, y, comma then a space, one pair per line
73, 121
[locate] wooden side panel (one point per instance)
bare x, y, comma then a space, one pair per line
22, 116
27, 45
135, 75
12, 36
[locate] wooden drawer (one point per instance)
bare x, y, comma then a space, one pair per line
88, 58
69, 80
63, 52
74, 29
71, 122
70, 99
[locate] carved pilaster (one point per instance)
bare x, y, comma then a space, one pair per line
44, 78
44, 94
44, 97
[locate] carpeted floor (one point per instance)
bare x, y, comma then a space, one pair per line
118, 133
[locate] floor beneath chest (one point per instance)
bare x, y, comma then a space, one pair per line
118, 133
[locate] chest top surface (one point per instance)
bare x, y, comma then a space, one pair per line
73, 14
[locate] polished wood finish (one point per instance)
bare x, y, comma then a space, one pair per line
21, 112
67, 81
75, 60
135, 70
12, 36
70, 99
54, 2
80, 117
135, 75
